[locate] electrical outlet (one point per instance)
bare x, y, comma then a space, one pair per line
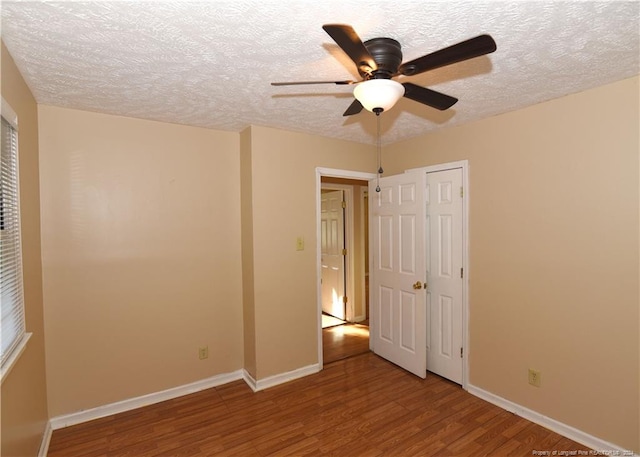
534, 377
299, 244
203, 352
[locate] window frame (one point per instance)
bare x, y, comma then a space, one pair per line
19, 343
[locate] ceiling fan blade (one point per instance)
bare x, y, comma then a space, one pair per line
300, 83
350, 42
468, 49
428, 97
354, 108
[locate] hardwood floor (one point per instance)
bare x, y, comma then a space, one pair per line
344, 341
359, 406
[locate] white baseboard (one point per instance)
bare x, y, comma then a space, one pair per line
79, 417
46, 439
67, 420
249, 380
572, 433
281, 378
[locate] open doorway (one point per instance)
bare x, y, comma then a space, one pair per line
343, 255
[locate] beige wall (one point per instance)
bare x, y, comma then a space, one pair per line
554, 254
144, 273
140, 249
24, 395
284, 197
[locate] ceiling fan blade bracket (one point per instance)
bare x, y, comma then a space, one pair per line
365, 70
408, 70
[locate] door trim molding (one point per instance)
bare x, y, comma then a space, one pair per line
329, 173
364, 247
464, 165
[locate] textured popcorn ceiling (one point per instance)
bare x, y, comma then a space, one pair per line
209, 64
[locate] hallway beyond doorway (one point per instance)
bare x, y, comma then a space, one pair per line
343, 341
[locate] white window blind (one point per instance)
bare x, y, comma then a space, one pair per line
12, 326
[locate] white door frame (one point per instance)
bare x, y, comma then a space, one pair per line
464, 164
329, 173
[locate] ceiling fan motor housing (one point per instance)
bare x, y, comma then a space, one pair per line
387, 54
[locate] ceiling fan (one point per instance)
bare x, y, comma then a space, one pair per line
378, 60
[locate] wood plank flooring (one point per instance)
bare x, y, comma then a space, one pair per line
344, 341
359, 406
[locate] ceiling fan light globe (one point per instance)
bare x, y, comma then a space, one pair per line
378, 93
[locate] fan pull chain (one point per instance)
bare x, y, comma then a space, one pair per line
378, 148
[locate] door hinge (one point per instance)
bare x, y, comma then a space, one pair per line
344, 252
344, 204
345, 300
461, 352
461, 272
461, 192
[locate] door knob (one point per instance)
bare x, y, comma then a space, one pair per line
417, 285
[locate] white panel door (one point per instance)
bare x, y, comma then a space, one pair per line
444, 273
397, 246
332, 256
